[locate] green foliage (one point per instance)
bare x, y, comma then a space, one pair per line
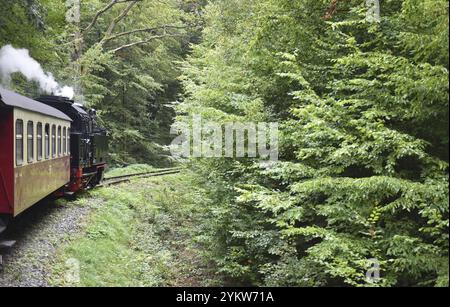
363, 110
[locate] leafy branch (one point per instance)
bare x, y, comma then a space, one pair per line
104, 10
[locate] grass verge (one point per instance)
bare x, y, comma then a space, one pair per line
141, 235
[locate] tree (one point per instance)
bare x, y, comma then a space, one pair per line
364, 112
124, 55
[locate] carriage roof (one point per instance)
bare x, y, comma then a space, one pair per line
11, 99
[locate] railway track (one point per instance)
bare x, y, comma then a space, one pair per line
127, 178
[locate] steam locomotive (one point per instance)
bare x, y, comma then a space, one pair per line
49, 145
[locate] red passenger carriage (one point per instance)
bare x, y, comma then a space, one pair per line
34, 152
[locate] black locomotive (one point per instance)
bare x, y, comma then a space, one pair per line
88, 145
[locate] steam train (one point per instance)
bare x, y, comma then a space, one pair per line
49, 145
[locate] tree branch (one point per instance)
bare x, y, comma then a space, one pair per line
102, 11
144, 41
163, 27
124, 14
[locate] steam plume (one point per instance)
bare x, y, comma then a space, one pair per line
19, 60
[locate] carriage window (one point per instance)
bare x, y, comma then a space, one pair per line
65, 140
59, 141
47, 141
30, 141
19, 142
39, 141
53, 141
68, 141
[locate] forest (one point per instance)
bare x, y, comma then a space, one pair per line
361, 104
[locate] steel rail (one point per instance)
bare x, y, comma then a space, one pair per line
127, 178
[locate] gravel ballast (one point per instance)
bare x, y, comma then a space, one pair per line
39, 232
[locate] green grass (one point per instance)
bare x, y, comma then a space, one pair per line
141, 235
129, 170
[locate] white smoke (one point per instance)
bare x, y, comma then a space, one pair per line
66, 91
14, 60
